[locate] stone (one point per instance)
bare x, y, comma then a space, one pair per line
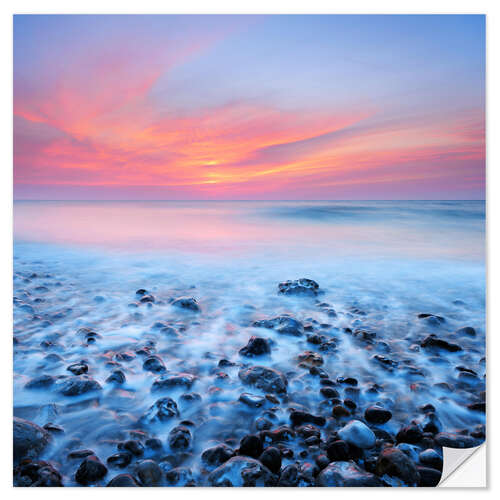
434, 342
289, 476
40, 382
346, 473
284, 325
187, 303
154, 364
410, 434
310, 358
431, 458
36, 474
242, 471
166, 381
251, 446
180, 476
133, 446
466, 330
303, 286
252, 400
78, 368
179, 438
77, 385
428, 476
217, 455
117, 377
451, 440
149, 473
257, 346
29, 439
90, 471
266, 379
358, 434
396, 463
432, 319
123, 481
271, 458
377, 415
161, 410
120, 459
337, 450
299, 417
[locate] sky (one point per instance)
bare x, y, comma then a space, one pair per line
249, 107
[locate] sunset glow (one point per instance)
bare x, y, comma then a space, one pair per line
249, 107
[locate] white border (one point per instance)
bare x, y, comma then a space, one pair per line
8, 7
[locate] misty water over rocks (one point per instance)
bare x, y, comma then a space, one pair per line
287, 343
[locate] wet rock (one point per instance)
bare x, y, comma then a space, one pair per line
454, 440
431, 423
377, 415
242, 471
79, 454
431, 458
154, 364
133, 446
162, 410
271, 458
394, 462
36, 474
428, 476
466, 330
117, 377
252, 400
432, 341
78, 368
299, 417
90, 471
251, 446
479, 406
180, 476
40, 382
217, 455
358, 434
123, 481
303, 286
145, 299
410, 434
29, 439
289, 476
432, 319
310, 358
121, 459
187, 303
339, 411
337, 450
257, 346
346, 474
149, 473
77, 385
385, 362
284, 324
179, 438
154, 444
171, 381
267, 379
329, 392
53, 428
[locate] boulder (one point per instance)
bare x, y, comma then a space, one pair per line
396, 463
358, 434
90, 471
257, 346
266, 379
242, 471
29, 439
303, 286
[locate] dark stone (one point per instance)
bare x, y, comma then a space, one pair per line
451, 440
154, 364
120, 459
154, 444
256, 346
161, 411
117, 377
217, 455
466, 330
123, 481
133, 446
180, 476
40, 382
377, 415
428, 476
36, 474
284, 324
242, 471
410, 434
431, 458
436, 343
432, 319
179, 438
77, 385
310, 358
29, 439
339, 411
298, 417
346, 474
188, 303
289, 476
149, 473
252, 400
480, 407
251, 446
396, 463
271, 458
329, 393
78, 368
79, 454
337, 451
267, 379
303, 286
90, 471
169, 381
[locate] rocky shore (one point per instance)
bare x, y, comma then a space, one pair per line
312, 395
